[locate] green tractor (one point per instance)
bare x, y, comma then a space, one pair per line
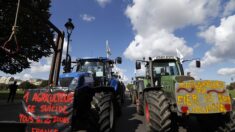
136, 92
170, 99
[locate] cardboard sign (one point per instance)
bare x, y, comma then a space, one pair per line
47, 111
201, 97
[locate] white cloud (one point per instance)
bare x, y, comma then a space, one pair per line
27, 76
169, 14
155, 45
40, 67
155, 22
222, 40
226, 71
103, 3
87, 18
229, 8
121, 72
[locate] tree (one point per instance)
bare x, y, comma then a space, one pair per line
129, 86
33, 35
44, 83
27, 85
231, 86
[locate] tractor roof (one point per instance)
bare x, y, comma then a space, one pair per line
165, 58
103, 59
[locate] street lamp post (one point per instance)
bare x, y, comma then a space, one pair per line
69, 27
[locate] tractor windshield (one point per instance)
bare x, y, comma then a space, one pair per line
94, 67
165, 68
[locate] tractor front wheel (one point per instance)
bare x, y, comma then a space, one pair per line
157, 112
104, 107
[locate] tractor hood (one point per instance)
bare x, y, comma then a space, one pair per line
72, 80
73, 74
201, 96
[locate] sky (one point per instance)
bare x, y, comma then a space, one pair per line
203, 29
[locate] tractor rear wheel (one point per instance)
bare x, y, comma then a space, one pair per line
157, 112
230, 125
140, 105
103, 106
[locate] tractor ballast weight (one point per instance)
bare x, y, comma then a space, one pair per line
179, 97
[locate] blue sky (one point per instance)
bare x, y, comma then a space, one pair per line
136, 28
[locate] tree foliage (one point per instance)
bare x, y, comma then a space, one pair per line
231, 86
33, 35
44, 83
129, 86
27, 85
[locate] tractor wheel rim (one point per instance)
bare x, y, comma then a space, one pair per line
147, 114
111, 116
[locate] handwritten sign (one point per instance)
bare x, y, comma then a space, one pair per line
202, 96
47, 111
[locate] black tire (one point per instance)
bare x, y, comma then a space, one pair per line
157, 112
103, 106
230, 125
140, 105
118, 106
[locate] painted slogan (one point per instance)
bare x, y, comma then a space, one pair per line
47, 110
202, 97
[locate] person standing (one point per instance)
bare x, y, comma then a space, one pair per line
13, 88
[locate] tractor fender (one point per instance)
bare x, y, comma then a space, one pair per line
114, 83
151, 88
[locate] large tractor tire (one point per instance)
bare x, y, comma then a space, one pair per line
230, 123
140, 105
103, 106
157, 112
118, 100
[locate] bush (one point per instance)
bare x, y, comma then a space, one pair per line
27, 85
129, 86
231, 86
44, 83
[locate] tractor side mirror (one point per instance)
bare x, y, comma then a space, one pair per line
119, 60
198, 63
137, 65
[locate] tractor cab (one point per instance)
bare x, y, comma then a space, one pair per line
164, 67
100, 68
167, 67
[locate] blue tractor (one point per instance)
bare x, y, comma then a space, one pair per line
98, 93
